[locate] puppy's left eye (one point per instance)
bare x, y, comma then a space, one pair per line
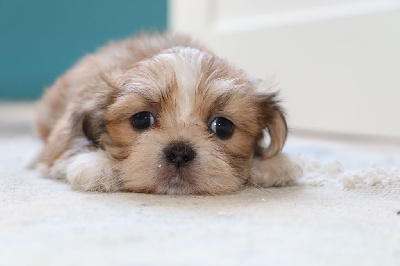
142, 120
222, 127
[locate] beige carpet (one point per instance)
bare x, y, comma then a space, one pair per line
344, 211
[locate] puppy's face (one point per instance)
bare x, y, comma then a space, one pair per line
185, 122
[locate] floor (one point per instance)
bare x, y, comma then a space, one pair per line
345, 210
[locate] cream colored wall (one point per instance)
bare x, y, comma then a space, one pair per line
337, 62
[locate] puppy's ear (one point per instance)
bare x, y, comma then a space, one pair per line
272, 119
91, 120
93, 127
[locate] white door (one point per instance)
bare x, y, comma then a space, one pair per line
337, 61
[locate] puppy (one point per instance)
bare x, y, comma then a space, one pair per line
162, 114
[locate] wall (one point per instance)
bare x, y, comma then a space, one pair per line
41, 39
336, 62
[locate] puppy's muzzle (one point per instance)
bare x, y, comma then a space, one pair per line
179, 154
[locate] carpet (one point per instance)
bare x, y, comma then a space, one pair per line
345, 210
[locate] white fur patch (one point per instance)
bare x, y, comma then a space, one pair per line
277, 171
91, 171
188, 78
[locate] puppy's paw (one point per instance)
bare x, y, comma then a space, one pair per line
277, 171
92, 171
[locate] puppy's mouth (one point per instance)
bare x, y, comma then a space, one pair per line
174, 179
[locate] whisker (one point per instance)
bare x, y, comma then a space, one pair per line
257, 186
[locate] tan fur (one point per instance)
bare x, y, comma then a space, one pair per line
185, 87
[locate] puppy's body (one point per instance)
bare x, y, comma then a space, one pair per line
161, 114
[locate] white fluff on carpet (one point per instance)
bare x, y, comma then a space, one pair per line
334, 174
343, 211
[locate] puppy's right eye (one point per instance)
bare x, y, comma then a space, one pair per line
142, 120
222, 127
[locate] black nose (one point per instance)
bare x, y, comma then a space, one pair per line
179, 153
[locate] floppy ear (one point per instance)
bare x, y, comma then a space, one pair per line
91, 120
272, 119
93, 127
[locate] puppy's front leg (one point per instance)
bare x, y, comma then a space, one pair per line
87, 170
92, 171
277, 171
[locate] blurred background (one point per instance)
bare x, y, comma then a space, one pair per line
337, 62
43, 38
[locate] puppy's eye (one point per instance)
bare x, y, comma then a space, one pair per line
222, 127
142, 120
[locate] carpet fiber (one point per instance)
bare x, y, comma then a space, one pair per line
344, 211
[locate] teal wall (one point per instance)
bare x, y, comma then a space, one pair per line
40, 39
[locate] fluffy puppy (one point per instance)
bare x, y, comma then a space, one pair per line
162, 114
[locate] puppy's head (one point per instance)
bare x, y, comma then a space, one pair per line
185, 122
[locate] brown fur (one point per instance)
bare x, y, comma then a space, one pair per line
86, 114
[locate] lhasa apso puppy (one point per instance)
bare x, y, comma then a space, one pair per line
162, 114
